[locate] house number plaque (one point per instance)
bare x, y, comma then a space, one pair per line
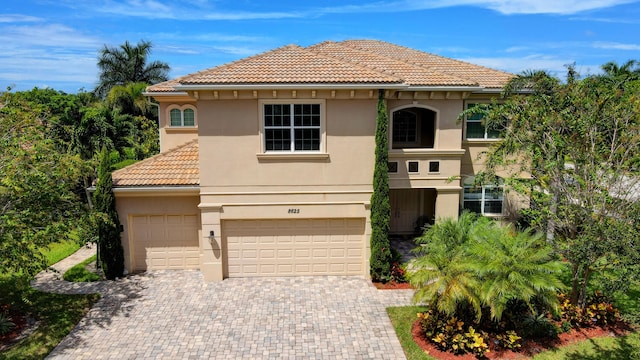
294, 211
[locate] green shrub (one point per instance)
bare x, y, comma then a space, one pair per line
6, 325
539, 326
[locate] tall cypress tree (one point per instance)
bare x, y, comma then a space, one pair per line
110, 251
380, 205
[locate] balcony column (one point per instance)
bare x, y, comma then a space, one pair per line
448, 202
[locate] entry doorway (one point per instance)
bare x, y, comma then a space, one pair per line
411, 209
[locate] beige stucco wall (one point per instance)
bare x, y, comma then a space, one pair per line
172, 137
130, 204
239, 181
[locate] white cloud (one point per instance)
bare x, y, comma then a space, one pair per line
194, 10
616, 46
14, 18
509, 7
54, 35
46, 54
199, 9
606, 20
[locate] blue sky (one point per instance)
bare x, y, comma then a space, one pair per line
55, 43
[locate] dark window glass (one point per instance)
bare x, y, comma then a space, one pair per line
307, 139
278, 139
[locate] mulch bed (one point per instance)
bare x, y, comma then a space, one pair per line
529, 347
392, 285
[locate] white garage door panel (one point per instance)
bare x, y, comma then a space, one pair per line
294, 247
165, 242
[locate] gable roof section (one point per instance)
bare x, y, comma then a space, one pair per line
348, 62
176, 167
410, 72
291, 65
483, 76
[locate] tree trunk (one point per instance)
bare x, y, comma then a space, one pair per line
87, 192
575, 284
583, 288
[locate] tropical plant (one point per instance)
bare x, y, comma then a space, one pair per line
110, 251
581, 141
381, 258
128, 64
129, 101
476, 263
6, 324
441, 275
514, 266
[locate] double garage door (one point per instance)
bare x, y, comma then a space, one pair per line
165, 242
253, 247
294, 247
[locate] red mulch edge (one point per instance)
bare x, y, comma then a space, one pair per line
392, 285
529, 347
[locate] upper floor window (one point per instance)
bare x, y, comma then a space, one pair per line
292, 127
485, 199
476, 127
184, 116
413, 128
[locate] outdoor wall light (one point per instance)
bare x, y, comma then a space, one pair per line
212, 234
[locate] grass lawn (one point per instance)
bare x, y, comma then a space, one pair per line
79, 272
611, 348
402, 318
56, 314
60, 250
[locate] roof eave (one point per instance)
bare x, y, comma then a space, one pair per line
128, 188
168, 93
445, 88
292, 86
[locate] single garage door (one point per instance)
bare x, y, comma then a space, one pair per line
165, 242
294, 247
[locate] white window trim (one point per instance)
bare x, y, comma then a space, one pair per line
292, 151
468, 184
464, 129
182, 108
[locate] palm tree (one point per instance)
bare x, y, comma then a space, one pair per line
620, 74
442, 275
129, 99
476, 263
127, 63
514, 266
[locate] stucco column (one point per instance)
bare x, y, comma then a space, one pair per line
448, 202
367, 240
211, 249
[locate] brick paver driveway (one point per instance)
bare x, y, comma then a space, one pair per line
175, 315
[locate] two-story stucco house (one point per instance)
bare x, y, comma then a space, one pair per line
266, 163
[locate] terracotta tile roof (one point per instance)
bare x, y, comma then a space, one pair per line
484, 76
289, 64
176, 167
346, 62
410, 72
